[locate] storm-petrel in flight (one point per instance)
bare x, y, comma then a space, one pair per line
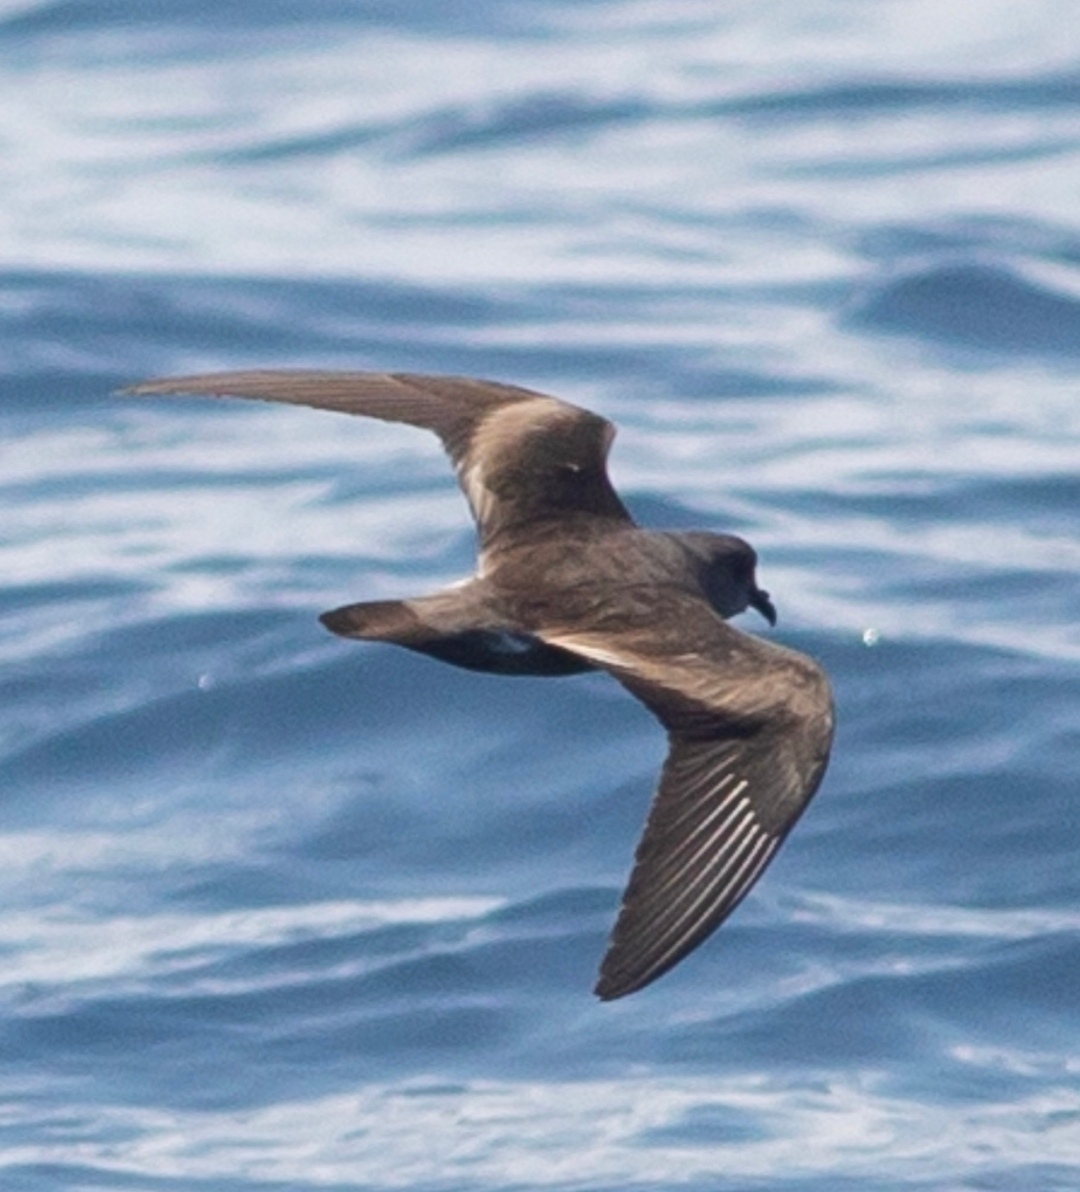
566, 582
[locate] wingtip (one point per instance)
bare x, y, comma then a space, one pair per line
234, 383
337, 621
609, 989
605, 994
603, 991
610, 986
150, 387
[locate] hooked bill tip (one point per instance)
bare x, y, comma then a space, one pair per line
760, 601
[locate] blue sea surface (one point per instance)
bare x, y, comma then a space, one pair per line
283, 912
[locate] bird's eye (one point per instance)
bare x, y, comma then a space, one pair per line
743, 565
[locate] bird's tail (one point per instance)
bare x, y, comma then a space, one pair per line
450, 627
377, 621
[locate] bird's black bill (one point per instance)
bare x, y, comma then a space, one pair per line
760, 600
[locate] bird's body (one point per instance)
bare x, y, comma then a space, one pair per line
566, 582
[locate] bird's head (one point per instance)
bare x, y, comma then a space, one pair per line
728, 574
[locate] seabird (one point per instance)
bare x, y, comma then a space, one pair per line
566, 582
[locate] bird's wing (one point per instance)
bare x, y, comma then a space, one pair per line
520, 456
749, 725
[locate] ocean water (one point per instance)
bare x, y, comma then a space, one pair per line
283, 912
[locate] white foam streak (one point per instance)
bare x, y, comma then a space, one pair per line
60, 948
629, 1133
845, 914
220, 500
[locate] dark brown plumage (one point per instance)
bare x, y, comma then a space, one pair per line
566, 582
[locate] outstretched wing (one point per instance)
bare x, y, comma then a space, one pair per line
520, 456
750, 725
